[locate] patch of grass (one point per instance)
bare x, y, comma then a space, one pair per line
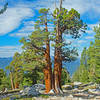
18, 97
90, 87
80, 88
26, 99
44, 95
6, 98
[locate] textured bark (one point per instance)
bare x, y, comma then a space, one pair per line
48, 80
16, 85
58, 58
16, 80
58, 62
48, 68
12, 81
57, 70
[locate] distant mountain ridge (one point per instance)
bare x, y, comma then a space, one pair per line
5, 62
71, 67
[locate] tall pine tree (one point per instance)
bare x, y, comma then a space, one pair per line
89, 70
15, 71
94, 57
81, 74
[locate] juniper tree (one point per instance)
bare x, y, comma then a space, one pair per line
66, 22
39, 45
44, 20
37, 49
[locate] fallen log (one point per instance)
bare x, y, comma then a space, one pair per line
10, 91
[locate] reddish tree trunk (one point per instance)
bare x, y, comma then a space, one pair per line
58, 61
12, 81
58, 57
16, 80
57, 71
48, 68
16, 85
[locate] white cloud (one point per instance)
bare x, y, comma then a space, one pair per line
81, 41
96, 5
91, 26
31, 23
12, 18
8, 51
89, 37
90, 31
69, 40
15, 15
20, 34
25, 31
80, 5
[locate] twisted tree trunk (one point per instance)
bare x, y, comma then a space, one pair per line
16, 85
12, 81
58, 62
48, 68
58, 56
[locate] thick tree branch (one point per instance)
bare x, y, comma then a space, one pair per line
4, 9
39, 48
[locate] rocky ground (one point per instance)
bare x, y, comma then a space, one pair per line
74, 91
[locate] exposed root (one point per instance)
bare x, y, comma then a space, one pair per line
57, 91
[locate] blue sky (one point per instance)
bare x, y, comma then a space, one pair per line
19, 19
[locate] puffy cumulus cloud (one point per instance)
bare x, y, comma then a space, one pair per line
8, 51
12, 18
